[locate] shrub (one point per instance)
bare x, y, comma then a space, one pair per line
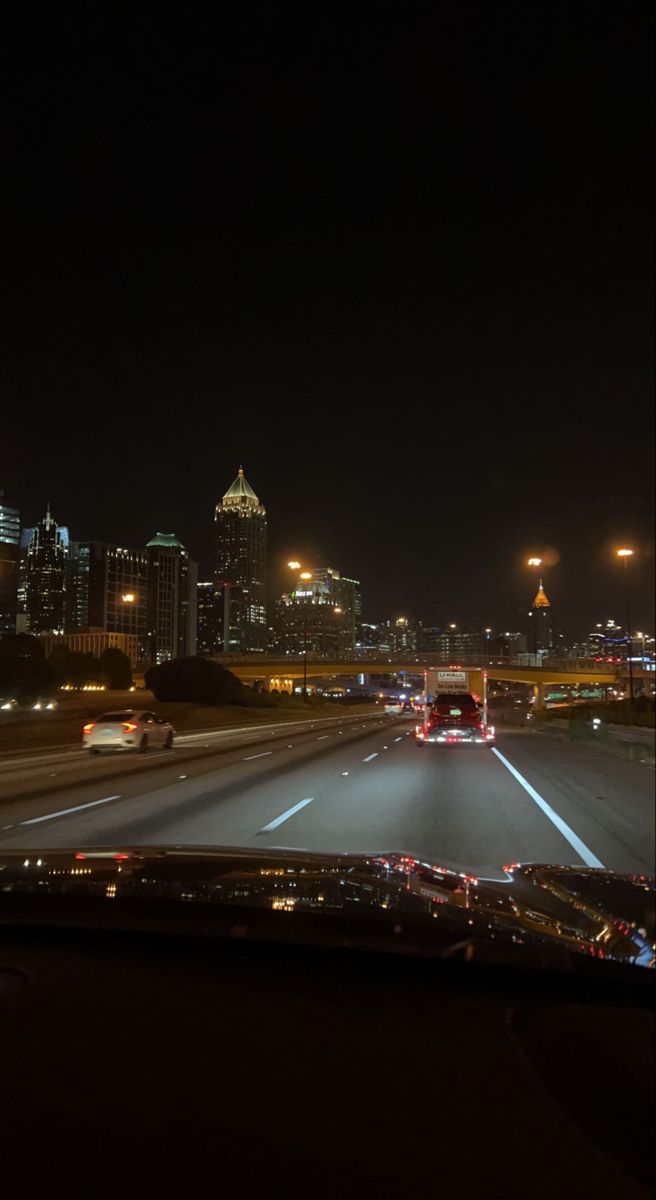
196, 681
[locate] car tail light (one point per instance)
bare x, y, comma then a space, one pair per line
129, 726
89, 728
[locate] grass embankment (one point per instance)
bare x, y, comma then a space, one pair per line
63, 726
639, 712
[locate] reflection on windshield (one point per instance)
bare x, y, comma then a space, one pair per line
596, 914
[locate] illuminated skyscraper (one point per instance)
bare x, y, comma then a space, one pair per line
44, 576
241, 564
172, 577
540, 614
106, 589
9, 565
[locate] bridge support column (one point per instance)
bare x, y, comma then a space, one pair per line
538, 692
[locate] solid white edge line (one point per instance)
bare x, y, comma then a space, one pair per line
370, 756
322, 737
574, 840
63, 812
286, 815
262, 754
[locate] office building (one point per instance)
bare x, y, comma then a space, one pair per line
452, 644
326, 607
241, 527
9, 564
541, 633
209, 606
106, 588
93, 641
43, 570
307, 619
171, 599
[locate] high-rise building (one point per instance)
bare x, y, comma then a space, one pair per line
541, 629
106, 588
44, 576
240, 522
326, 607
9, 565
209, 604
171, 599
453, 644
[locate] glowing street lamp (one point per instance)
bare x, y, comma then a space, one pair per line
625, 553
294, 565
534, 562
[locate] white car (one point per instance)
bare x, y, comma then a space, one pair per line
130, 729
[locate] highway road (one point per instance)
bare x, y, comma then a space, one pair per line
342, 784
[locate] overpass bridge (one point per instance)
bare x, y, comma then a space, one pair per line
282, 673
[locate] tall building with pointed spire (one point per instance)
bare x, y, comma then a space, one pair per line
241, 527
43, 571
541, 617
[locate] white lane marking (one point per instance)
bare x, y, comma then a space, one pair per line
574, 840
344, 772
63, 812
182, 776
398, 739
7, 827
286, 815
370, 756
263, 754
322, 738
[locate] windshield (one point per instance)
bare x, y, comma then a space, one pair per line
326, 459
115, 718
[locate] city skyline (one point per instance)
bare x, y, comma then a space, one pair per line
598, 565
277, 584
371, 306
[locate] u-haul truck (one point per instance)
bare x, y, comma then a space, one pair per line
456, 708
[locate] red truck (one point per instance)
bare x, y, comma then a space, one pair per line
457, 712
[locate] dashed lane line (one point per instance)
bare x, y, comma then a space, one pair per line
63, 812
286, 815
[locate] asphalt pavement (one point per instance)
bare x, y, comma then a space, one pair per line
342, 784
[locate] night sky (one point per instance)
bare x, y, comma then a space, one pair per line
397, 261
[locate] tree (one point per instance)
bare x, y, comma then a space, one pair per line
74, 667
115, 669
195, 680
24, 669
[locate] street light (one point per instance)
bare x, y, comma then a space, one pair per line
625, 553
536, 562
337, 612
294, 565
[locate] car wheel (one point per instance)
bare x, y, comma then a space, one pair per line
143, 744
94, 750
168, 744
